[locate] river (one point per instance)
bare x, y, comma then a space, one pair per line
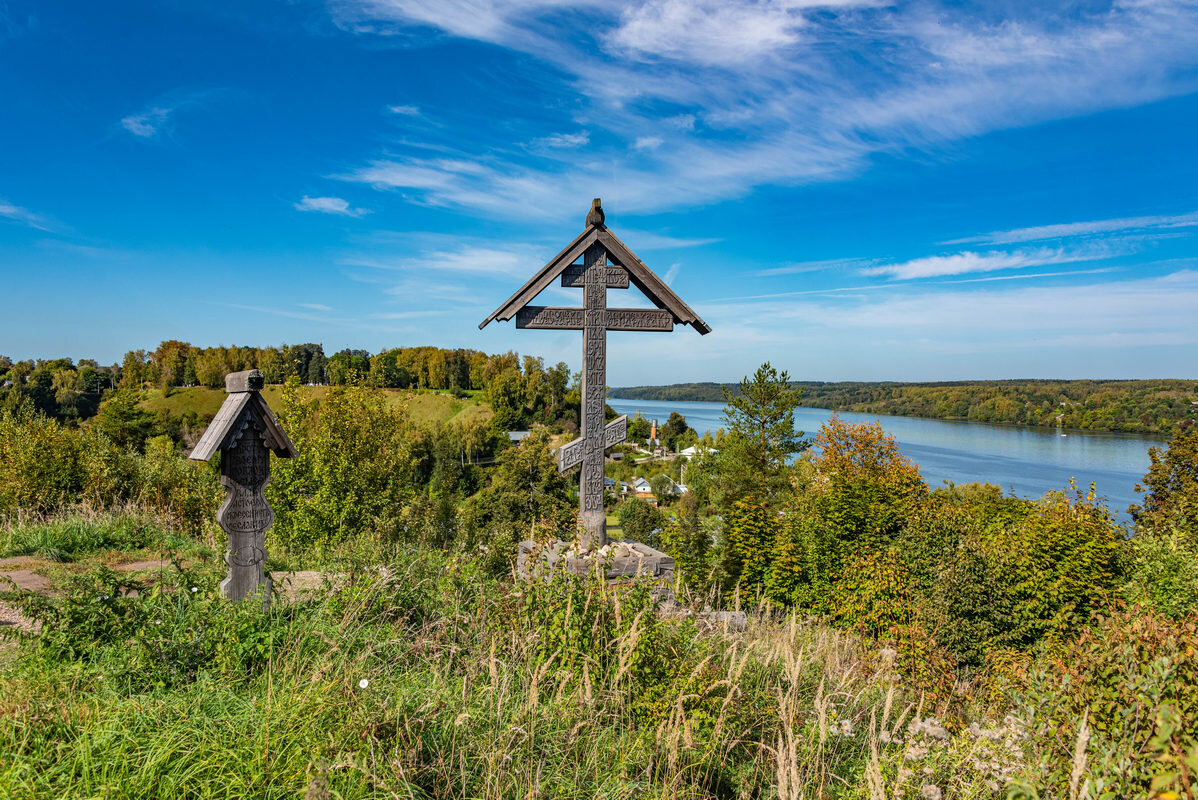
1026, 462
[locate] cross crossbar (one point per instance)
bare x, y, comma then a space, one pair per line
571, 454
572, 277
614, 319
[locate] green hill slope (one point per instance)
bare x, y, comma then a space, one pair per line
425, 407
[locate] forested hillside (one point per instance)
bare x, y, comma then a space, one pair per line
1142, 406
176, 388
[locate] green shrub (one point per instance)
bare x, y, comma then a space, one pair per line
750, 530
863, 486
1118, 708
640, 521
169, 484
45, 465
41, 462
526, 498
1162, 572
1062, 562
354, 472
688, 542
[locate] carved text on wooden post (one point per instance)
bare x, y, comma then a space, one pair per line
245, 432
598, 248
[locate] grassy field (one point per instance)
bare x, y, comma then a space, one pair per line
425, 407
433, 679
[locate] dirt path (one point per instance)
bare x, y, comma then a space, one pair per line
10, 616
23, 572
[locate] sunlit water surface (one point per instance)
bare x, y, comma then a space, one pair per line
1026, 462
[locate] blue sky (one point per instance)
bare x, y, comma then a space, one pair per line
852, 190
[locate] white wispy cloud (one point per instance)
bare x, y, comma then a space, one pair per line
316, 306
816, 266
1037, 275
24, 216
1074, 229
648, 240
408, 314
1078, 321
564, 140
405, 111
157, 117
776, 92
647, 143
710, 32
460, 258
330, 205
968, 261
147, 122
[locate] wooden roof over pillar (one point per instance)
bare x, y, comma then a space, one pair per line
618, 253
242, 398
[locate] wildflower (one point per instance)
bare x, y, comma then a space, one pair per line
159, 622
917, 752
362, 684
846, 727
930, 791
195, 589
888, 654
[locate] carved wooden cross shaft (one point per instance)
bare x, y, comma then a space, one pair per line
595, 276
595, 319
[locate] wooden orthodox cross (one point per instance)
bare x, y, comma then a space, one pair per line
607, 263
245, 432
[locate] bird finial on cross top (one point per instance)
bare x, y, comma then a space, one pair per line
595, 215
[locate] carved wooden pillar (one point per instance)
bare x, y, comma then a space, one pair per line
244, 432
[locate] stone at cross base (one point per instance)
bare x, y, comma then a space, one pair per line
595, 261
244, 432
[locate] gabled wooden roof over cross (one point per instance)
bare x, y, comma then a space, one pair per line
623, 267
607, 263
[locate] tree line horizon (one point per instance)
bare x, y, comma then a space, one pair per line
72, 389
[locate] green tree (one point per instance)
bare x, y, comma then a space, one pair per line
688, 543
663, 487
123, 420
674, 429
506, 395
526, 498
761, 438
1171, 485
638, 428
354, 472
639, 520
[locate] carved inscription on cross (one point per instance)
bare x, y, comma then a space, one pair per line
598, 247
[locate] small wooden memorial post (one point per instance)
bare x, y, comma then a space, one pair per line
245, 432
606, 263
